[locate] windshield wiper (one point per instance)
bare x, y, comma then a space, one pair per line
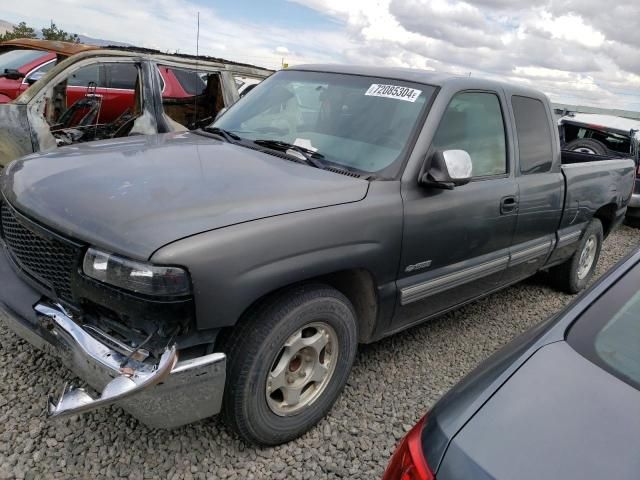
308, 155
226, 134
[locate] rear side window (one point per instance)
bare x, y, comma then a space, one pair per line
190, 81
473, 122
122, 75
86, 76
534, 135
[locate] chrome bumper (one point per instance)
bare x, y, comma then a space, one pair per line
165, 394
635, 201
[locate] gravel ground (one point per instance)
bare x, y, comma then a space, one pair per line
393, 383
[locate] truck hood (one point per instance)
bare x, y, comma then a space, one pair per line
135, 195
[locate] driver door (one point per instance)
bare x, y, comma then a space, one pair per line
456, 242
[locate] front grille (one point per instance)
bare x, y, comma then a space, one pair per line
47, 260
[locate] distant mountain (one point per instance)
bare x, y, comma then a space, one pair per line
5, 26
98, 42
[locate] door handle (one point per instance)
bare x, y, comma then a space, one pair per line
508, 205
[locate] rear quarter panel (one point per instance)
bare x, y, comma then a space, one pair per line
593, 185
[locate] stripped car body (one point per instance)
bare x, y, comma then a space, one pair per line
47, 115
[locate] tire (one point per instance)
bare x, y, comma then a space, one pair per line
259, 360
572, 276
587, 145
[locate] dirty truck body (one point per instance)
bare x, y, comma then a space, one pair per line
237, 267
102, 94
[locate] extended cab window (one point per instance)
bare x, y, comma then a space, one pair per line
473, 122
534, 135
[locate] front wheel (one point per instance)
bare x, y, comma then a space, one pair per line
287, 363
574, 274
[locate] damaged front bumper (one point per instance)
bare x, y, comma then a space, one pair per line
163, 394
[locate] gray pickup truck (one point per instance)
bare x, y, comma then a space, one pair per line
236, 268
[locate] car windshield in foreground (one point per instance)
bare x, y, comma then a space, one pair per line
359, 123
608, 334
14, 59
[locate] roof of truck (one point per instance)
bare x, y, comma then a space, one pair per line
416, 75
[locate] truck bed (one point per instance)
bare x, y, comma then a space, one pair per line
594, 181
569, 157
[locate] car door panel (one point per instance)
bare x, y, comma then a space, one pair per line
456, 247
456, 242
541, 189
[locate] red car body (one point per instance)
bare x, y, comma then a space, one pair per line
115, 101
9, 88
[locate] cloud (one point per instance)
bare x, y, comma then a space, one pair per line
577, 51
574, 50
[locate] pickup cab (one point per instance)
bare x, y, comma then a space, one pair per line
236, 268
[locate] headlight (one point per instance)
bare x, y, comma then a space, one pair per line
135, 276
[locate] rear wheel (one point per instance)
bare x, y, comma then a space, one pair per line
287, 363
587, 145
574, 274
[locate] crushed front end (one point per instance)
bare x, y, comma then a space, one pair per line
140, 351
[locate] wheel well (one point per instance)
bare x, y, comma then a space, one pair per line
357, 285
606, 215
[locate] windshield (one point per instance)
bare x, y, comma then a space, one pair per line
14, 59
357, 122
609, 332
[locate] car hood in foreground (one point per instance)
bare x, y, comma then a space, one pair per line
135, 195
559, 416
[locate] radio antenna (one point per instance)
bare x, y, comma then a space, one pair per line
197, 70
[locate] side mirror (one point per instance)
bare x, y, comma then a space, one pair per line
447, 169
35, 77
220, 113
12, 74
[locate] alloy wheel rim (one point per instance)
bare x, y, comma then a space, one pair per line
585, 150
302, 369
587, 257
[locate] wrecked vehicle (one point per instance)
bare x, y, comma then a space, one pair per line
24, 61
605, 135
101, 94
236, 268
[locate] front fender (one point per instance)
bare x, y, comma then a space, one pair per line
233, 267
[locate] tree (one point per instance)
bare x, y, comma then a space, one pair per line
19, 31
55, 33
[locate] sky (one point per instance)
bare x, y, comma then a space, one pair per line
577, 51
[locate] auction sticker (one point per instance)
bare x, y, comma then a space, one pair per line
393, 91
